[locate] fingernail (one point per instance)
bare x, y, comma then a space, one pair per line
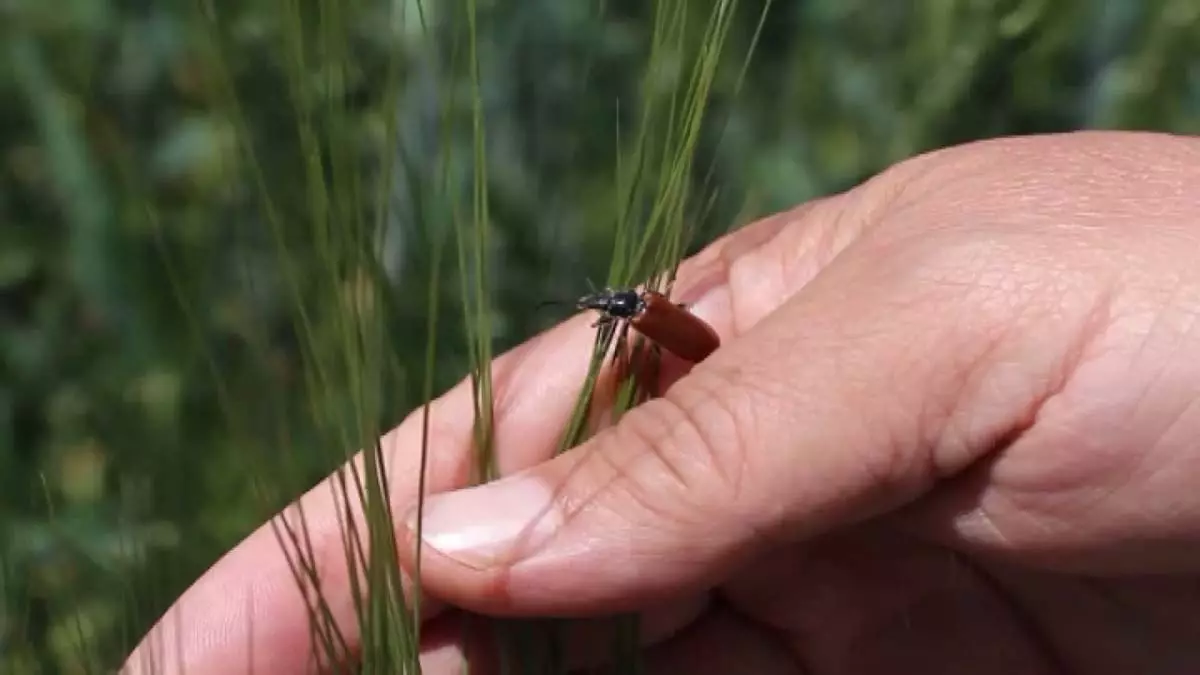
490, 524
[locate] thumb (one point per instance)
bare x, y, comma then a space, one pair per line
829, 411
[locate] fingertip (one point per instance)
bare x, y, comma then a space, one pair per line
595, 530
480, 527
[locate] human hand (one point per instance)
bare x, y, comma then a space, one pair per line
951, 429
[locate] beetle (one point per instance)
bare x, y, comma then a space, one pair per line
654, 315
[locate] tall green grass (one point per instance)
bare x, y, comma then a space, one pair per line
329, 259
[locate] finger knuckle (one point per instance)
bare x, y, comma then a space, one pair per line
696, 434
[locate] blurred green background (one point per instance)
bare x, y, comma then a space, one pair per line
134, 262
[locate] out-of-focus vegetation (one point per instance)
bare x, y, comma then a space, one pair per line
134, 263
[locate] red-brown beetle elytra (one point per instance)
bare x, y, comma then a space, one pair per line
655, 316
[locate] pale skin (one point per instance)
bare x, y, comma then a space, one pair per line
953, 426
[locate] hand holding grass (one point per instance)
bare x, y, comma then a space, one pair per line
952, 427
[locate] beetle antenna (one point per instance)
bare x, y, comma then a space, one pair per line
548, 303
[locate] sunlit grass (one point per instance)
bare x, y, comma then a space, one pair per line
328, 258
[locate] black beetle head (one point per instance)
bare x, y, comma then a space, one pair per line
616, 304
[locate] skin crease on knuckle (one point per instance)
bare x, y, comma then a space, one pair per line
694, 443
1116, 470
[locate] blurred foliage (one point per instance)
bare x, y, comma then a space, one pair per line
137, 279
